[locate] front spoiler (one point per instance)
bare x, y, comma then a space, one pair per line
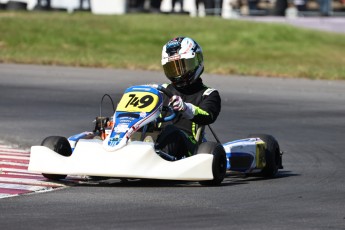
135, 160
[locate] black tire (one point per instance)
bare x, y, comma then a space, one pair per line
273, 158
219, 162
62, 147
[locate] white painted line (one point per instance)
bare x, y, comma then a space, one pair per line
28, 174
22, 187
14, 157
13, 170
4, 195
14, 164
7, 149
13, 153
16, 180
32, 181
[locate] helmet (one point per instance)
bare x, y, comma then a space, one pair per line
182, 61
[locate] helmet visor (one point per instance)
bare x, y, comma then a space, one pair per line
176, 68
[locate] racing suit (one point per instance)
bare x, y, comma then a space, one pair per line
178, 136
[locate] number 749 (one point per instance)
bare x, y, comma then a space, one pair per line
139, 102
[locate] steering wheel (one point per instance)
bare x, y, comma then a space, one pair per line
173, 112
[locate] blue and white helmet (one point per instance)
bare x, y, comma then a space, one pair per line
182, 61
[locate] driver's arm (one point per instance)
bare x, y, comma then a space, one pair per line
208, 110
203, 114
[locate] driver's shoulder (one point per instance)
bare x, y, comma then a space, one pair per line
165, 85
208, 91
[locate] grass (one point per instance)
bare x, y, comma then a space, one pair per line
134, 41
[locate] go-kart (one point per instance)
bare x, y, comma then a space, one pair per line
123, 147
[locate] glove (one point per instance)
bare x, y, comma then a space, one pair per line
177, 103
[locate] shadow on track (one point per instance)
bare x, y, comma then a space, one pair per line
231, 179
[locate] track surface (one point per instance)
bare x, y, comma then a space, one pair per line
307, 118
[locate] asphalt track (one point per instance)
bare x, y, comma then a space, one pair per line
306, 116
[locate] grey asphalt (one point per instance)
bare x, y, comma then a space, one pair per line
306, 116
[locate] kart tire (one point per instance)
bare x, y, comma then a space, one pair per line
218, 163
61, 146
272, 155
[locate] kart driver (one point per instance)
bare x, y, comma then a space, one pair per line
198, 105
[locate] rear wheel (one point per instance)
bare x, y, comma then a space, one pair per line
218, 164
273, 158
61, 146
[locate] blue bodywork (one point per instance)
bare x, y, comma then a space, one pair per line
124, 120
240, 161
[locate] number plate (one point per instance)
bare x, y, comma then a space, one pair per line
138, 102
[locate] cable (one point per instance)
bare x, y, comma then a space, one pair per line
100, 107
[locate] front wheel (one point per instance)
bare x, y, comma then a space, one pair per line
61, 146
272, 155
218, 163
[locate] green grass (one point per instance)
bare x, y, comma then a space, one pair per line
134, 41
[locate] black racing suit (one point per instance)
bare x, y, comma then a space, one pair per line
178, 136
